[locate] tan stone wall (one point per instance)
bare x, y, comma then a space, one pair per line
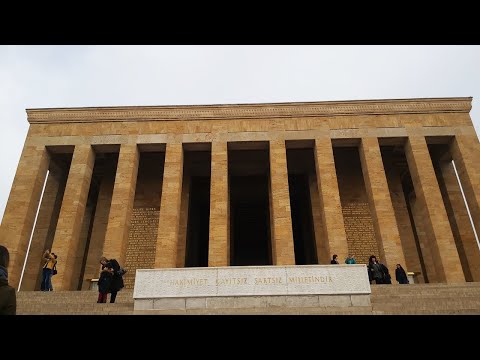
355, 207
99, 229
467, 246
407, 237
444, 252
142, 237
45, 227
66, 243
381, 208
437, 119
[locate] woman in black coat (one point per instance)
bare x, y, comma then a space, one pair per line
400, 275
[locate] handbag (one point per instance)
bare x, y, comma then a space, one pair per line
54, 269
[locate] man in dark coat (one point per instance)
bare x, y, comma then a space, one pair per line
8, 297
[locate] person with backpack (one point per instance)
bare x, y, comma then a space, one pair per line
47, 271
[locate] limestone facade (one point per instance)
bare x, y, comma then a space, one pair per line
371, 176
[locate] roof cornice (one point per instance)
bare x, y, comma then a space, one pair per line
249, 111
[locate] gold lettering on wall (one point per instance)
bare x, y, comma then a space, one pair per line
141, 242
360, 231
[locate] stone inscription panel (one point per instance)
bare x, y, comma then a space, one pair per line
360, 231
251, 280
141, 242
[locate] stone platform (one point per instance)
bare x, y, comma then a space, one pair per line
246, 287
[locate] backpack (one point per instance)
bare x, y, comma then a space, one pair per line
121, 271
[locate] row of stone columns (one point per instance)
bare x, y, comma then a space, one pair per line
26, 190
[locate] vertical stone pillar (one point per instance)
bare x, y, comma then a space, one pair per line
219, 245
407, 237
168, 224
445, 256
182, 231
45, 227
67, 234
467, 246
384, 221
99, 229
282, 233
323, 254
465, 151
424, 238
121, 206
22, 206
331, 207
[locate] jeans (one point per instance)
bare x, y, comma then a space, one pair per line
46, 280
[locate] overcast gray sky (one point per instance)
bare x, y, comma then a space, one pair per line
70, 76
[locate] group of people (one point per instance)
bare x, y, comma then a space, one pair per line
110, 280
377, 272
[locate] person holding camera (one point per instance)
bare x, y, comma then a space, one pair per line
50, 261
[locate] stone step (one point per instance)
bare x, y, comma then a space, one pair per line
415, 299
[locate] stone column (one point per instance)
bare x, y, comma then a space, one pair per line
45, 227
331, 207
407, 237
219, 245
445, 256
22, 206
168, 224
99, 229
323, 254
465, 151
121, 207
67, 234
461, 226
383, 216
182, 231
282, 233
424, 238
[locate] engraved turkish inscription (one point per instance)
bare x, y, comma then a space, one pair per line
360, 231
141, 242
251, 280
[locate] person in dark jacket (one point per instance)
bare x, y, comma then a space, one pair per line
334, 259
387, 279
375, 270
401, 275
8, 297
116, 283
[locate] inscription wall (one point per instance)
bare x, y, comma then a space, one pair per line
360, 231
356, 211
141, 242
251, 280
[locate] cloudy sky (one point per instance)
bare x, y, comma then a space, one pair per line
70, 76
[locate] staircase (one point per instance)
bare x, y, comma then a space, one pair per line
72, 303
418, 299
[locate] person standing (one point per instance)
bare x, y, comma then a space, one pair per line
50, 262
401, 275
104, 281
116, 283
334, 259
8, 297
375, 271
